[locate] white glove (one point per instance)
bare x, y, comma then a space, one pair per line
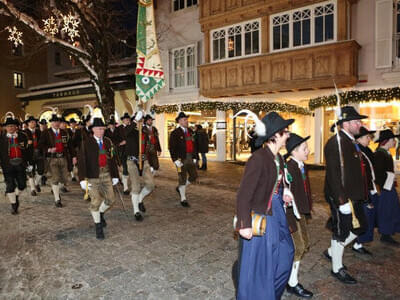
345, 208
115, 181
29, 169
194, 160
85, 184
178, 163
139, 116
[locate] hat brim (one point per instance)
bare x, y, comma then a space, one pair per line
387, 138
181, 117
359, 117
260, 140
364, 134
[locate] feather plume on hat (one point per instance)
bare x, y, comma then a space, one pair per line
259, 129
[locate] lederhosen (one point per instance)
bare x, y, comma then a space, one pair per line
36, 157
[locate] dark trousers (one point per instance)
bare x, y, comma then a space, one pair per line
203, 160
38, 167
15, 176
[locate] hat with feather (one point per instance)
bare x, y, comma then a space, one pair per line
10, 119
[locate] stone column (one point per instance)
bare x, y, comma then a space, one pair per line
318, 136
221, 137
161, 125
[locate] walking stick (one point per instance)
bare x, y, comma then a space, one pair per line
122, 201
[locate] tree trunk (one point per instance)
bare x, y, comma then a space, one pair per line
108, 104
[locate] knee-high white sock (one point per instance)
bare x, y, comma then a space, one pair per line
72, 174
56, 191
17, 191
135, 203
38, 179
12, 198
103, 207
143, 193
337, 255
31, 184
125, 182
96, 216
357, 245
182, 192
293, 279
349, 239
187, 182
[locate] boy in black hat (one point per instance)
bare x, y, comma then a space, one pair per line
152, 142
183, 152
345, 190
43, 127
111, 130
13, 158
72, 131
98, 172
57, 145
36, 158
121, 144
64, 126
298, 151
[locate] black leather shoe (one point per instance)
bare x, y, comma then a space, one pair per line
33, 193
299, 291
102, 220
64, 190
326, 254
99, 231
344, 277
14, 209
361, 250
127, 192
388, 239
141, 207
73, 179
58, 203
184, 203
138, 217
38, 189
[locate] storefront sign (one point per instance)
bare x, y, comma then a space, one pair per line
221, 125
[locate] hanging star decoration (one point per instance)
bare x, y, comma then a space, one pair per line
50, 26
15, 36
70, 26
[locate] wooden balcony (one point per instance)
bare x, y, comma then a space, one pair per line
301, 69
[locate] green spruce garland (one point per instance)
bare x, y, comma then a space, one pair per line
235, 106
381, 95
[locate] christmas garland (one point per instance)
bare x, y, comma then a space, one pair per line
356, 97
235, 106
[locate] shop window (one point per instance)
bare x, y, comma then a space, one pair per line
184, 67
18, 80
182, 4
307, 26
235, 41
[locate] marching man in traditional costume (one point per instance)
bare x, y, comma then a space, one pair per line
121, 138
298, 151
36, 158
98, 172
183, 153
152, 142
13, 159
138, 171
57, 145
345, 189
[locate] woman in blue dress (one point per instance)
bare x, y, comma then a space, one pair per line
265, 261
388, 217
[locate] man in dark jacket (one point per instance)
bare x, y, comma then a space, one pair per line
152, 142
183, 152
120, 138
345, 190
202, 142
13, 159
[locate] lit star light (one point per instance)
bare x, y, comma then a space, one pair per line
50, 26
70, 26
15, 36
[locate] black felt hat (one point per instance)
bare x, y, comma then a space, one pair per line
72, 120
273, 123
11, 121
385, 135
180, 116
364, 131
111, 121
125, 116
148, 117
62, 119
293, 141
30, 118
349, 113
97, 122
55, 118
43, 122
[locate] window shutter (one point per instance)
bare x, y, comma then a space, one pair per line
199, 61
383, 33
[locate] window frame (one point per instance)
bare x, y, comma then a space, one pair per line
243, 41
396, 35
312, 27
186, 69
22, 80
185, 5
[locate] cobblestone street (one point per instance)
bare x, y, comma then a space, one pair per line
175, 253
